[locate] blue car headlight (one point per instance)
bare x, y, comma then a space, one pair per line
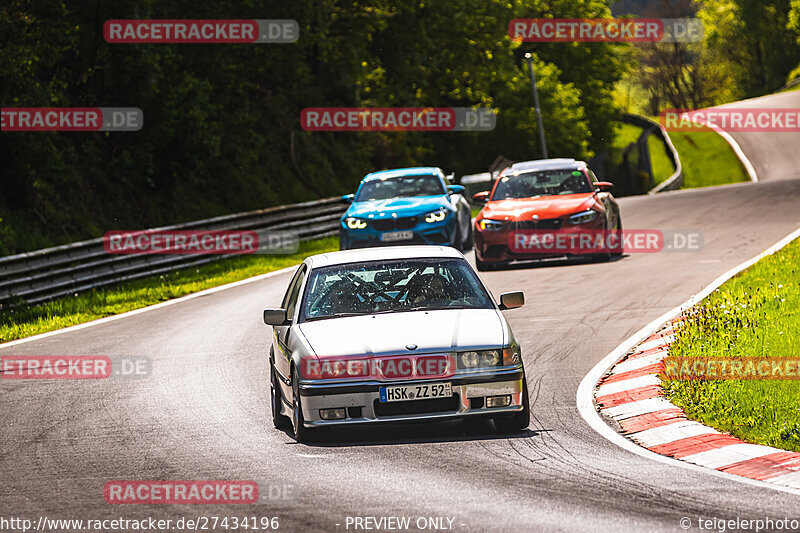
583, 217
355, 223
436, 216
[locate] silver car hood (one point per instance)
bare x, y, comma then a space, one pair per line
387, 334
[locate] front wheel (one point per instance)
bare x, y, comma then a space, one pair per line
482, 266
618, 229
468, 242
279, 420
301, 432
458, 240
520, 420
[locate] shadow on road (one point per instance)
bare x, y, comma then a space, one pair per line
553, 262
423, 433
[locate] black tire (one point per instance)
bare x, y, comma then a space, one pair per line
279, 420
520, 420
458, 242
616, 255
301, 433
482, 266
468, 242
610, 256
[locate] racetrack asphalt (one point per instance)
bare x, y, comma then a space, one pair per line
203, 413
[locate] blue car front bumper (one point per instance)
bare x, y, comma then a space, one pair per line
375, 234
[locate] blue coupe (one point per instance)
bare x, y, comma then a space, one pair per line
406, 206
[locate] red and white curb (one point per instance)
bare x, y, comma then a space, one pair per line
621, 398
631, 398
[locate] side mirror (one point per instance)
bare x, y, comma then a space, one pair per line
348, 198
604, 186
455, 189
275, 317
481, 197
512, 300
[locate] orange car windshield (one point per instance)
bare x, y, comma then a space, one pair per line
541, 183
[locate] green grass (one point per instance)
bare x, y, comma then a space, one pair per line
707, 159
25, 321
659, 159
755, 314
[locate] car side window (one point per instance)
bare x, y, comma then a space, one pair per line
290, 299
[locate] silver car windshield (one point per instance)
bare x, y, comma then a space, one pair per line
541, 183
392, 286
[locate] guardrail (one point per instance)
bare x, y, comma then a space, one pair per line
675, 181
41, 275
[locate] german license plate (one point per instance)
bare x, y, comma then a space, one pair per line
427, 391
397, 236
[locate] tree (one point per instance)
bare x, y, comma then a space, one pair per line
754, 39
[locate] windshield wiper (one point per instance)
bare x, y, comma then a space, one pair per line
348, 314
437, 308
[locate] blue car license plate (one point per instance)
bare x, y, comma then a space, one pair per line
397, 236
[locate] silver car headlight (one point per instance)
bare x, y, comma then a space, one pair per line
436, 216
480, 359
583, 217
355, 223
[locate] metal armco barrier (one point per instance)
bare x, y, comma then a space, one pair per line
675, 181
41, 275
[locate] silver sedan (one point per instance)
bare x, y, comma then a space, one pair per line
398, 334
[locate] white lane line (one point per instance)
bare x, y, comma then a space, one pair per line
585, 394
728, 455
639, 362
792, 479
670, 433
151, 307
627, 384
639, 407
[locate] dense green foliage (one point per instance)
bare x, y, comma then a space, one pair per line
221, 122
755, 314
755, 42
750, 48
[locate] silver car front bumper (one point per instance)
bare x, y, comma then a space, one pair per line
361, 399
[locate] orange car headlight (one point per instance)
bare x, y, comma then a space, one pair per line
490, 225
